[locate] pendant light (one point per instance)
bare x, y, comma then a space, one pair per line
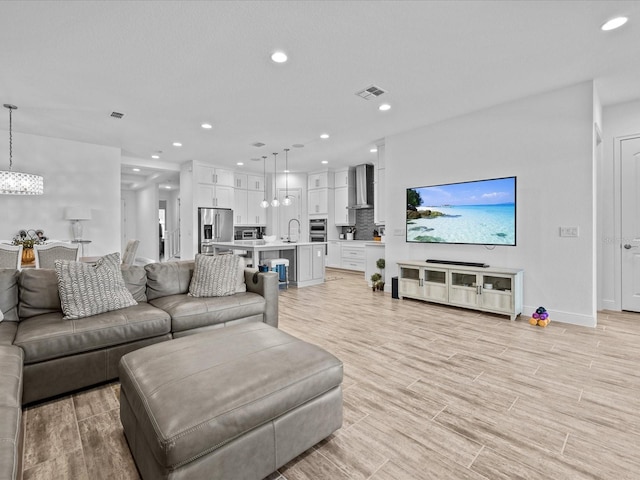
18, 183
275, 203
264, 203
287, 199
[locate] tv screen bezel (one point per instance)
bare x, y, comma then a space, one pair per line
515, 213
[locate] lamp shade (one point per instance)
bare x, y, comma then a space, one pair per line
77, 213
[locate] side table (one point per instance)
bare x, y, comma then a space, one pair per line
82, 244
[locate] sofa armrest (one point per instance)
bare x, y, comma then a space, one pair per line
265, 284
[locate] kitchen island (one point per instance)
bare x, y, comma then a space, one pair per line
306, 259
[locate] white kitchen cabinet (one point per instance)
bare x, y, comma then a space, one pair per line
318, 180
215, 176
310, 265
334, 253
318, 201
352, 256
215, 196
497, 290
255, 182
344, 198
247, 197
256, 215
240, 207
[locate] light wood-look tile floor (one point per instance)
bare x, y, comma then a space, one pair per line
430, 392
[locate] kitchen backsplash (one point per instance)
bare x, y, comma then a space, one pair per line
364, 225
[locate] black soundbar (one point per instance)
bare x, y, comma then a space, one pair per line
455, 262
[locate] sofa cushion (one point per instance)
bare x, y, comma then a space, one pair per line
135, 278
217, 276
189, 312
49, 336
87, 290
39, 290
9, 293
169, 278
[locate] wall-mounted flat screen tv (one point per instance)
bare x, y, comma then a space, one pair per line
480, 212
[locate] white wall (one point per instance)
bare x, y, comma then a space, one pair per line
547, 142
619, 121
147, 222
74, 174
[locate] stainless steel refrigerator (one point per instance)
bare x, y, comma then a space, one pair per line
214, 225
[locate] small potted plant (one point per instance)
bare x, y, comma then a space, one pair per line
380, 263
375, 281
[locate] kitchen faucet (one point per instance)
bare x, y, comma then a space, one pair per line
289, 229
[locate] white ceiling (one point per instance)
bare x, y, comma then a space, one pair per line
169, 66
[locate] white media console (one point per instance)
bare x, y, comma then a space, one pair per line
490, 289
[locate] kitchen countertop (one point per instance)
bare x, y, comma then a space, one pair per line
262, 245
359, 242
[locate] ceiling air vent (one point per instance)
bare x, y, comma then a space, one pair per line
117, 115
258, 144
372, 91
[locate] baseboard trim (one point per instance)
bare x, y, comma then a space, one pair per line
565, 317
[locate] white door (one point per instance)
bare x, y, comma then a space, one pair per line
630, 155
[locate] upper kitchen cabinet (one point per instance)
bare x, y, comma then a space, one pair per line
344, 197
318, 180
248, 182
380, 189
214, 186
319, 201
249, 193
318, 184
206, 174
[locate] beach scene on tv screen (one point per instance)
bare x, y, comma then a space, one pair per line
478, 212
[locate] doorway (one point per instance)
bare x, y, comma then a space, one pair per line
630, 227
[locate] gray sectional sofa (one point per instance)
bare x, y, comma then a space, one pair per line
42, 355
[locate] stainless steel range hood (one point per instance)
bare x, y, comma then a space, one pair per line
364, 187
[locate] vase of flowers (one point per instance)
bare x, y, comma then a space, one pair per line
29, 238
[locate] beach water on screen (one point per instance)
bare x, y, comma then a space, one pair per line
482, 224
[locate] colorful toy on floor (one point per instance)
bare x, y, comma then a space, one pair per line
540, 317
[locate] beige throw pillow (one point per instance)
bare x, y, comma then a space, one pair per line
217, 276
87, 289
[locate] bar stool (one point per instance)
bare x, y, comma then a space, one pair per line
280, 265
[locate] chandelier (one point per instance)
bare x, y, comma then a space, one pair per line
18, 183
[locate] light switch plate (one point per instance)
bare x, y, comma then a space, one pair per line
569, 231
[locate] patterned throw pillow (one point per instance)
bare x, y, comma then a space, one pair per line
87, 290
215, 276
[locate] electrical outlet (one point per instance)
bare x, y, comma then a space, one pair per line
398, 232
569, 231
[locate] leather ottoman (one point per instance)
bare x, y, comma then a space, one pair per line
234, 403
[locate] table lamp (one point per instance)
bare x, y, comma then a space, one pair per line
76, 215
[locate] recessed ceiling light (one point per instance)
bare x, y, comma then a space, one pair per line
206, 126
155, 156
324, 136
168, 187
177, 144
279, 57
614, 23
287, 171
240, 164
384, 107
325, 161
135, 169
373, 150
